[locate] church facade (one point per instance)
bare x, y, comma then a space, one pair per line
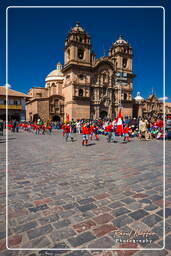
86, 87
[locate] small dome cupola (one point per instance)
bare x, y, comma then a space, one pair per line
77, 28
56, 74
139, 97
120, 40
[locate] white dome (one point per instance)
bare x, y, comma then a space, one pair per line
55, 74
138, 97
120, 41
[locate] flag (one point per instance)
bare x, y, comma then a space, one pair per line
119, 126
67, 117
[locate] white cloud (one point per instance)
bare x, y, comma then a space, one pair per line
163, 98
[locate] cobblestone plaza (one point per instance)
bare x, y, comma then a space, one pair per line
63, 195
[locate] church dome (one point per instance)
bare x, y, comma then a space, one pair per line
120, 40
55, 74
138, 97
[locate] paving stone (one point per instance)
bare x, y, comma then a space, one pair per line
140, 195
39, 208
39, 231
145, 201
67, 213
101, 210
86, 201
156, 197
127, 245
87, 207
70, 206
168, 242
158, 229
102, 219
61, 224
59, 235
151, 220
42, 201
55, 252
120, 211
128, 200
48, 219
116, 205
103, 202
102, 196
26, 227
134, 206
83, 226
81, 239
13, 241
2, 234
103, 230
40, 242
138, 214
151, 207
167, 212
8, 253
81, 217
122, 221
104, 242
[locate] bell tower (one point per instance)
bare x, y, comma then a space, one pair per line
77, 46
77, 71
121, 51
121, 54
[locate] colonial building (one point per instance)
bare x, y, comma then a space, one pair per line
47, 103
15, 104
87, 87
150, 107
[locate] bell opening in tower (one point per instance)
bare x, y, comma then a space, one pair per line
80, 54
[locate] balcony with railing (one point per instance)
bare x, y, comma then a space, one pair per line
16, 107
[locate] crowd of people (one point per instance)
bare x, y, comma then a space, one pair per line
125, 129
119, 129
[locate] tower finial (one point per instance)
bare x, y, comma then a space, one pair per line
120, 37
77, 24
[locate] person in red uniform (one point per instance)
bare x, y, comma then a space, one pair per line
109, 130
43, 129
63, 128
126, 133
93, 130
67, 130
85, 133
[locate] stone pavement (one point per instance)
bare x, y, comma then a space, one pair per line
64, 195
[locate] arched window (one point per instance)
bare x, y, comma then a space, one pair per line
104, 78
125, 96
104, 90
124, 63
81, 76
80, 93
80, 54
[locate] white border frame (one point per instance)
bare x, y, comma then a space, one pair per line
84, 249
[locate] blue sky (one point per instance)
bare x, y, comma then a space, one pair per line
36, 40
